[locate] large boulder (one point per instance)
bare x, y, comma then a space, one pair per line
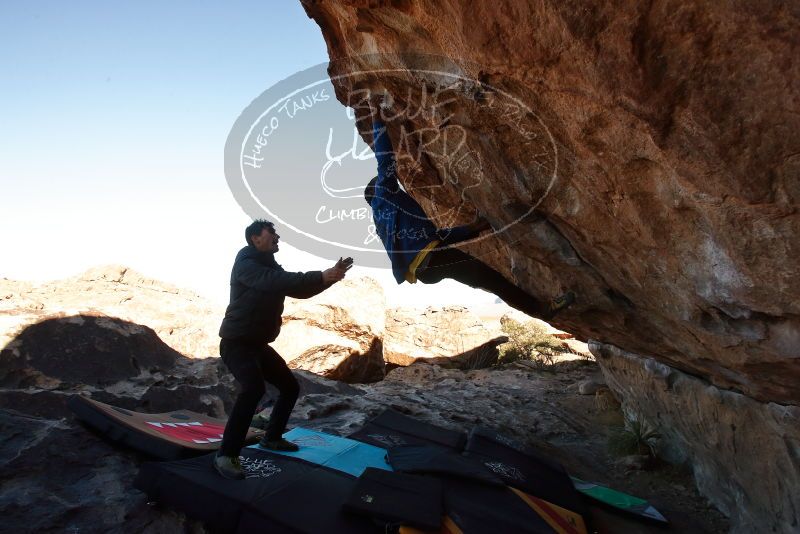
100, 351
448, 334
114, 361
182, 319
641, 153
653, 140
60, 476
338, 333
744, 452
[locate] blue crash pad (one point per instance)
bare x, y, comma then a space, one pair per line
342, 454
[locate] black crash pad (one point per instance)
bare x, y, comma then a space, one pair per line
394, 498
392, 429
280, 494
524, 469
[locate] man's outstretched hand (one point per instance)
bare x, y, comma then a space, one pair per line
337, 272
345, 264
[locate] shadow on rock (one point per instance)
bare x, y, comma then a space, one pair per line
346, 364
83, 349
57, 475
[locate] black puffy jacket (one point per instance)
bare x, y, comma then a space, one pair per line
258, 288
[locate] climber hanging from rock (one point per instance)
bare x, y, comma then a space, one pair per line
420, 251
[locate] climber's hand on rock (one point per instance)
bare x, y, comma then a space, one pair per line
379, 99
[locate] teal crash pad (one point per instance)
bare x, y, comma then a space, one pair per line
335, 452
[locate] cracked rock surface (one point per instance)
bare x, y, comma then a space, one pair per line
654, 139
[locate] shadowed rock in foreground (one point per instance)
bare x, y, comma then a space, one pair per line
59, 475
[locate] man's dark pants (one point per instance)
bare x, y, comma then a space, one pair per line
251, 365
460, 266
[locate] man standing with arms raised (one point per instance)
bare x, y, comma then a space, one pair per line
252, 320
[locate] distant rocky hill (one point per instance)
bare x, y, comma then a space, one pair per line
182, 319
341, 333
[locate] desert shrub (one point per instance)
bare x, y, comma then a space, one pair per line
637, 437
529, 341
481, 358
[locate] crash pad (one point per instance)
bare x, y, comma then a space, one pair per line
169, 436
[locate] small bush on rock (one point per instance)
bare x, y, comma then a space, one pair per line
529, 341
637, 437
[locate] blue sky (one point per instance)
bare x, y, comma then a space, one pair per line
114, 120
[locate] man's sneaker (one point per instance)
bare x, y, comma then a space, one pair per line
229, 467
559, 304
279, 444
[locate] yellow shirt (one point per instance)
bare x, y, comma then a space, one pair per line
411, 274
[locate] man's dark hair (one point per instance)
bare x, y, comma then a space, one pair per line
369, 191
255, 228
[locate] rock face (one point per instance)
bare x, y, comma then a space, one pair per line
83, 349
674, 209
744, 452
449, 333
58, 475
338, 333
655, 141
346, 333
111, 359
